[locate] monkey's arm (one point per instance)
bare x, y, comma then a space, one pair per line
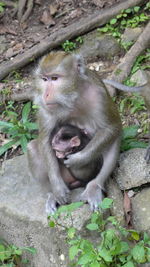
93, 194
58, 186
101, 141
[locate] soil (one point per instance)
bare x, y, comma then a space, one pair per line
39, 25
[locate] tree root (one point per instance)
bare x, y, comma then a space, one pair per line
72, 31
23, 96
122, 71
22, 5
9, 3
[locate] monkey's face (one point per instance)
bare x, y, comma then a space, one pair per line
65, 142
57, 80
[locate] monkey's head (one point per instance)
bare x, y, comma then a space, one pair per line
66, 141
57, 79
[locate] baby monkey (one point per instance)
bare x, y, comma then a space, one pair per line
68, 139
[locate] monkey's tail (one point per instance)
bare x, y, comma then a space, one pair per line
123, 87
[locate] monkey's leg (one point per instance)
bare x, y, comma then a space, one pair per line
93, 193
36, 162
39, 173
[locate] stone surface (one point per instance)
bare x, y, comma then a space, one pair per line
115, 193
140, 77
131, 34
101, 45
141, 210
23, 221
133, 170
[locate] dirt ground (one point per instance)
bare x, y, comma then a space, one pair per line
46, 18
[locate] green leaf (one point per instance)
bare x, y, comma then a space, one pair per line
17, 251
4, 124
69, 208
135, 235
26, 111
113, 21
30, 249
73, 251
51, 224
106, 203
8, 145
71, 232
105, 254
130, 132
104, 29
84, 259
23, 143
129, 144
129, 264
146, 237
123, 22
124, 247
136, 8
138, 253
128, 10
92, 226
31, 125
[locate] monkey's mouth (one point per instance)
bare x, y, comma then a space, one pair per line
52, 105
62, 154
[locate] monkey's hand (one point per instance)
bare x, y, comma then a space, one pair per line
75, 160
93, 194
60, 196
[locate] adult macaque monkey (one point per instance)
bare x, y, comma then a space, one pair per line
67, 92
68, 139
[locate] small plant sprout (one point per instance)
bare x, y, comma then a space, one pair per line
18, 131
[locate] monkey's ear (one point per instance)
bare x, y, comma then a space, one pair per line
75, 141
80, 64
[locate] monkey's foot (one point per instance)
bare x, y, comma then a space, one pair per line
93, 194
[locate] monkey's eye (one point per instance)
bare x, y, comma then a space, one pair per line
54, 78
65, 136
45, 79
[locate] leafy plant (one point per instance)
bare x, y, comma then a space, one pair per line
19, 131
17, 76
129, 139
135, 103
68, 46
139, 60
2, 5
79, 40
10, 255
128, 18
117, 246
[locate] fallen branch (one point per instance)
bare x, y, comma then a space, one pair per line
23, 96
9, 3
22, 16
72, 31
122, 71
